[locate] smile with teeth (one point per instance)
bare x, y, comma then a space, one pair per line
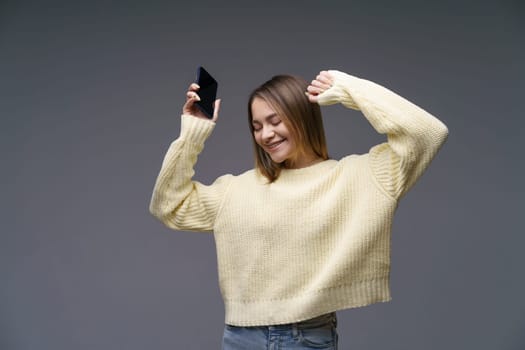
274, 145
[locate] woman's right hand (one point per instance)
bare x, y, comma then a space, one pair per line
190, 107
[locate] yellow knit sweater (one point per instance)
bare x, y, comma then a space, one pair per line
318, 238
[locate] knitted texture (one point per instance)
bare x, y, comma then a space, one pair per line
318, 238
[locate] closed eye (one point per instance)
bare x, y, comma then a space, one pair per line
275, 121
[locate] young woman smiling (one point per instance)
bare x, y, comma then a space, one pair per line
287, 129
300, 236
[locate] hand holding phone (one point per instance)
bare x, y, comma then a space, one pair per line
207, 92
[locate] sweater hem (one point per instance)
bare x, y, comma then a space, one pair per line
306, 306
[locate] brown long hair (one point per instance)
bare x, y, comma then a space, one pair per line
286, 94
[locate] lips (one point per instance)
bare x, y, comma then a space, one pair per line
274, 145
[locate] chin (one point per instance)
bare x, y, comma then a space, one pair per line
278, 160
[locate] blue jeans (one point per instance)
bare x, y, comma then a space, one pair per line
317, 333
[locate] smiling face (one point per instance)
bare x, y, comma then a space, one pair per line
272, 134
287, 129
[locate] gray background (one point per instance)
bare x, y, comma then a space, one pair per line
90, 97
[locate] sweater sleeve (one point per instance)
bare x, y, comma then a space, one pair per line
177, 201
413, 135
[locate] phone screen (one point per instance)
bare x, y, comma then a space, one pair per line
207, 92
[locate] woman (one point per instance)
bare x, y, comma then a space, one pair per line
300, 236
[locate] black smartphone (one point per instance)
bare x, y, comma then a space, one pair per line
207, 92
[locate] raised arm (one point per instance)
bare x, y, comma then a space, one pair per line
177, 201
413, 135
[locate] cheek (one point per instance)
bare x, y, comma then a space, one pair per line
257, 138
284, 133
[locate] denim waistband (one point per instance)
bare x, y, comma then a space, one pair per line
312, 332
329, 319
316, 322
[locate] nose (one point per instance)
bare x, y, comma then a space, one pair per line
268, 133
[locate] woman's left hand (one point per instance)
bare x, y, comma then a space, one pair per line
322, 82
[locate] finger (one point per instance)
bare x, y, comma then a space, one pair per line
325, 77
216, 108
320, 84
324, 80
314, 90
311, 98
194, 87
191, 98
191, 95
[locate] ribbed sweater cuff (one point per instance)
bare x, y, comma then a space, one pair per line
195, 129
339, 91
